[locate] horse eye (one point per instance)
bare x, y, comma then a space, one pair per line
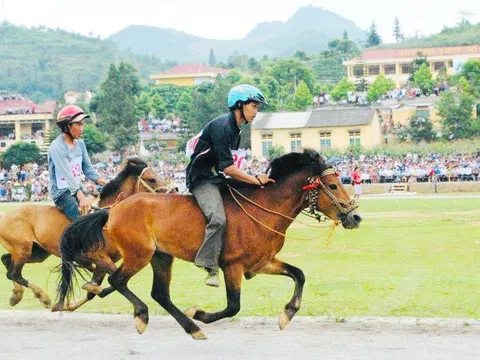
332, 186
152, 181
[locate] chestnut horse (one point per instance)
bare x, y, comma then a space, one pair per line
31, 233
157, 228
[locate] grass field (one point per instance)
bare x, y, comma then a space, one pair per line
410, 257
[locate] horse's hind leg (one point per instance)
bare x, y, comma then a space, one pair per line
14, 273
233, 282
93, 288
277, 267
17, 291
119, 279
162, 274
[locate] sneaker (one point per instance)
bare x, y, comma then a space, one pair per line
212, 278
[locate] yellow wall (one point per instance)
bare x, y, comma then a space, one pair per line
182, 81
370, 136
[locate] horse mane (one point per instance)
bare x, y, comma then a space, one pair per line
292, 162
134, 167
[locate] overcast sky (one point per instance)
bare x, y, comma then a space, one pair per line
226, 19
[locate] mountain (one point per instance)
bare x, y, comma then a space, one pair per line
309, 30
42, 63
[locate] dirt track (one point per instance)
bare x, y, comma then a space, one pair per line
43, 335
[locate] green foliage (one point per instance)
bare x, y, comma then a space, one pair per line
43, 63
397, 32
373, 38
339, 92
456, 112
302, 97
471, 72
289, 72
275, 151
124, 137
362, 85
419, 129
212, 60
22, 153
116, 100
379, 87
94, 139
423, 79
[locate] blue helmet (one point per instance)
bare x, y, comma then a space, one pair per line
244, 93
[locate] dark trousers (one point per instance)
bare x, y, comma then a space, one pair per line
68, 205
210, 201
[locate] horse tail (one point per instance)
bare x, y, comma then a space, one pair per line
83, 236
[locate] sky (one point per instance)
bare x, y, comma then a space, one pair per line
224, 19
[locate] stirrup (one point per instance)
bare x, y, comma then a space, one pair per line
212, 278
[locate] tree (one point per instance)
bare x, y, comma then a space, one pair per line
379, 87
211, 58
456, 112
423, 79
345, 34
123, 138
471, 72
22, 153
362, 85
94, 139
303, 96
420, 129
417, 64
397, 33
373, 39
340, 91
116, 100
301, 55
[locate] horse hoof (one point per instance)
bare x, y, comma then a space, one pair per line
283, 320
15, 300
57, 307
199, 335
47, 303
94, 289
140, 325
190, 312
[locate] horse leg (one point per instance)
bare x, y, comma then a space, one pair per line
14, 273
93, 288
119, 279
233, 282
277, 267
162, 275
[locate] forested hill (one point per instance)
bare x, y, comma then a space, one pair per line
466, 34
308, 30
42, 63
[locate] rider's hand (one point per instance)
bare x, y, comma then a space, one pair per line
83, 203
264, 179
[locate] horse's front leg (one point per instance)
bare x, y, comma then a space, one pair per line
277, 267
233, 282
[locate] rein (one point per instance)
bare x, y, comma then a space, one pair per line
314, 187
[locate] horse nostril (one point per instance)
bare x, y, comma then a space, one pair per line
357, 218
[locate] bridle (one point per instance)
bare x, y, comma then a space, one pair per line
147, 186
314, 187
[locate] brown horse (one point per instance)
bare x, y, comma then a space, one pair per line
31, 233
156, 228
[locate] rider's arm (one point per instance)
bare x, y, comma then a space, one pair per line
238, 174
87, 166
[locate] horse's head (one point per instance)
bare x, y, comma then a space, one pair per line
323, 191
326, 193
147, 179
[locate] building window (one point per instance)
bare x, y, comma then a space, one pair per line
423, 112
354, 137
407, 68
325, 140
449, 64
438, 65
265, 146
295, 135
373, 70
358, 71
294, 144
267, 137
3, 144
389, 69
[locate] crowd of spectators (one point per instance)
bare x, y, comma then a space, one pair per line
150, 124
30, 183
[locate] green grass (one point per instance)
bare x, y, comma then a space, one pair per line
410, 257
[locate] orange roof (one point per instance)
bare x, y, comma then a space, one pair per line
192, 68
409, 53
